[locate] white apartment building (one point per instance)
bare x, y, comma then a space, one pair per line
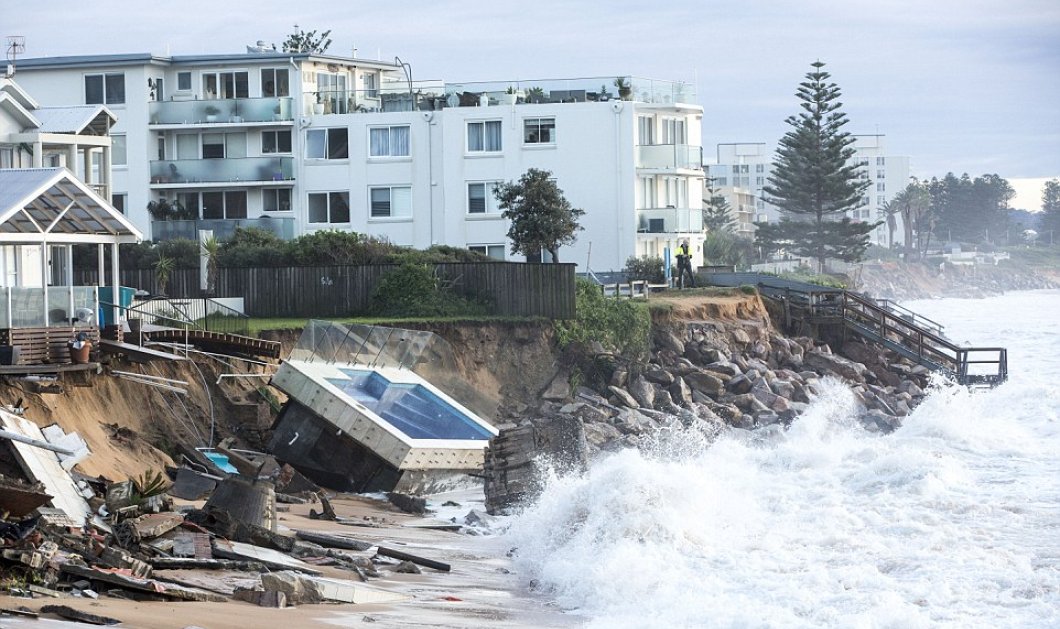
301, 142
750, 164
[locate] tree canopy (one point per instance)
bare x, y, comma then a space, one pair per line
1050, 220
717, 213
970, 210
541, 217
913, 204
841, 240
814, 177
307, 41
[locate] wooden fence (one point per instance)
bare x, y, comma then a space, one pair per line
513, 288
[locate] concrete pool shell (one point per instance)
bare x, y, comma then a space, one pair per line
360, 418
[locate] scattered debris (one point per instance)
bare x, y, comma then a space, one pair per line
77, 615
403, 556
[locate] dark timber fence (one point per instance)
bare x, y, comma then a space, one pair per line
513, 289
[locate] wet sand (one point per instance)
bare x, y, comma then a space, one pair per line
480, 590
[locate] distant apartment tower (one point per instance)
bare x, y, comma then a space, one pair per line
300, 142
750, 164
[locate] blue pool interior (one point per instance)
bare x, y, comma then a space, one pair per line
411, 408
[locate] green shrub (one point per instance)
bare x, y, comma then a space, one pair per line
748, 289
646, 268
413, 290
621, 325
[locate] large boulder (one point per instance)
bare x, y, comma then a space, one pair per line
658, 375
680, 392
623, 397
837, 365
705, 383
643, 392
559, 389
740, 384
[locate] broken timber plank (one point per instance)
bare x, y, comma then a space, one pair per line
332, 541
403, 556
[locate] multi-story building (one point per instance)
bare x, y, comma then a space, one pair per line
300, 142
750, 164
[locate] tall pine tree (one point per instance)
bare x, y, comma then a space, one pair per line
1050, 217
814, 180
717, 213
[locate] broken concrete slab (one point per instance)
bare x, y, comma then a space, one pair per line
191, 485
69, 613
226, 549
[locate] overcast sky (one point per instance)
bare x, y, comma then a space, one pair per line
958, 85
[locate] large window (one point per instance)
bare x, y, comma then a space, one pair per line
275, 82
7, 157
217, 85
183, 81
371, 85
105, 89
645, 130
673, 132
118, 153
480, 198
389, 141
484, 136
224, 204
390, 202
327, 143
329, 207
539, 131
276, 200
276, 141
494, 251
224, 145
648, 198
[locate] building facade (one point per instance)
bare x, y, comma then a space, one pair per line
749, 165
300, 142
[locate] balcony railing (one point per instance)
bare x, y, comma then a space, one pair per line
223, 229
670, 157
670, 220
25, 307
231, 110
231, 170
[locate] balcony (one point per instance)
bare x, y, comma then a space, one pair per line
574, 90
185, 173
223, 229
669, 220
670, 157
229, 111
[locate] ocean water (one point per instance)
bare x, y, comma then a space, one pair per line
951, 521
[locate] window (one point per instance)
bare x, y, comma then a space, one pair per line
647, 193
539, 131
388, 141
118, 201
390, 202
371, 85
276, 200
673, 132
275, 82
864, 201
217, 85
183, 81
721, 181
118, 152
675, 192
760, 168
329, 207
760, 181
880, 161
7, 157
881, 174
484, 136
222, 145
327, 143
645, 130
480, 198
160, 144
190, 202
276, 141
104, 89
881, 187
881, 200
494, 251
226, 204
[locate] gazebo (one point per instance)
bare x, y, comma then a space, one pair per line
44, 212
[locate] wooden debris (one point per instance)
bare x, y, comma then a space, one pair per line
332, 541
69, 613
403, 556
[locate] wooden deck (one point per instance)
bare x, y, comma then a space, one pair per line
136, 353
219, 341
45, 346
46, 369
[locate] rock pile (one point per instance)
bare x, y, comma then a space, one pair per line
708, 376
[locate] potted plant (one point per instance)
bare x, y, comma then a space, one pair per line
624, 87
211, 113
318, 107
510, 95
80, 348
604, 94
160, 210
535, 95
235, 117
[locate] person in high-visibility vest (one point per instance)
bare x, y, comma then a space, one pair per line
684, 265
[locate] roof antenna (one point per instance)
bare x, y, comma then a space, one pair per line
16, 45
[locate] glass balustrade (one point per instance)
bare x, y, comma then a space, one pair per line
232, 110
223, 229
669, 220
26, 308
242, 169
670, 157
